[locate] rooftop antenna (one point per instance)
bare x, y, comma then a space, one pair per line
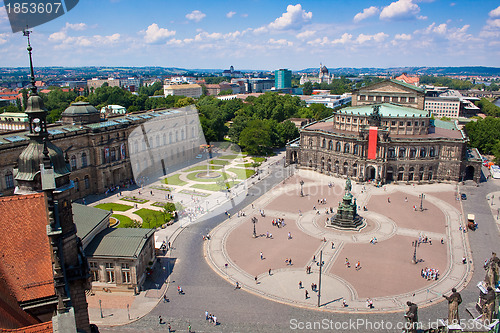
27, 33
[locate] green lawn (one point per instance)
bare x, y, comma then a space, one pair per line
151, 218
114, 206
134, 200
242, 173
259, 159
229, 157
125, 221
220, 162
213, 187
192, 176
202, 168
246, 165
174, 180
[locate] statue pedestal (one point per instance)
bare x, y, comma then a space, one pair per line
347, 217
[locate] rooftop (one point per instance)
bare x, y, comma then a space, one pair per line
87, 218
119, 242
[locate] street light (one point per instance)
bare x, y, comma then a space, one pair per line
421, 196
128, 311
301, 184
319, 283
414, 260
100, 308
254, 221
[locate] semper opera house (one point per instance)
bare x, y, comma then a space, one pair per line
386, 136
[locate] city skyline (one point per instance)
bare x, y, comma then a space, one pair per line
263, 35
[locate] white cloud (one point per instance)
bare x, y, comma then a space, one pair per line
3, 14
366, 13
233, 35
260, 30
494, 23
495, 12
345, 38
294, 18
378, 37
280, 42
64, 40
402, 37
230, 14
306, 34
421, 17
156, 34
76, 26
452, 4
203, 36
3, 38
244, 15
195, 15
319, 42
399, 10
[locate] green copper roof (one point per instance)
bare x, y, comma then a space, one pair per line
120, 242
450, 125
386, 110
407, 85
87, 218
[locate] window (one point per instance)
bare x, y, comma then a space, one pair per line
411, 99
310, 142
413, 153
93, 264
84, 160
113, 154
347, 149
111, 276
157, 141
355, 149
73, 162
169, 138
77, 184
401, 123
126, 277
403, 100
394, 99
86, 181
362, 97
416, 123
370, 98
337, 146
423, 152
323, 143
330, 145
408, 123
125, 266
432, 152
379, 99
391, 152
387, 99
110, 265
95, 275
354, 121
9, 180
402, 152
393, 123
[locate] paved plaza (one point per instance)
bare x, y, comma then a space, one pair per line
386, 274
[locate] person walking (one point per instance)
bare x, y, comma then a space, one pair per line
307, 294
300, 284
269, 271
160, 320
261, 255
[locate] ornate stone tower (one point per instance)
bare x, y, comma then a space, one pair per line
43, 168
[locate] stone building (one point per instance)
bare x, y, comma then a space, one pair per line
99, 152
386, 142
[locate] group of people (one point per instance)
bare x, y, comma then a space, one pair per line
322, 201
207, 237
288, 261
429, 273
211, 318
241, 213
278, 222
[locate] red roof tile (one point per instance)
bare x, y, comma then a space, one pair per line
25, 255
38, 328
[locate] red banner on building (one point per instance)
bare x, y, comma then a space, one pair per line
372, 143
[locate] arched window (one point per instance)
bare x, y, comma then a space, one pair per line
429, 175
72, 162
337, 146
391, 153
169, 138
413, 152
401, 173
113, 154
347, 148
176, 136
77, 185
136, 146
402, 152
411, 173
9, 180
182, 134
164, 139
310, 142
193, 131
84, 160
355, 170
423, 152
432, 152
421, 173
323, 143
346, 168
330, 145
355, 150
86, 181
157, 141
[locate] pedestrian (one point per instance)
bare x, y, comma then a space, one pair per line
333, 245
307, 294
442, 241
344, 303
358, 265
290, 261
269, 271
160, 320
215, 321
300, 284
261, 255
189, 328
255, 279
314, 258
165, 299
206, 313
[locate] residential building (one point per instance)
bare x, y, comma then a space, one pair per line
13, 121
413, 80
188, 90
97, 83
450, 106
112, 110
328, 100
283, 78
254, 85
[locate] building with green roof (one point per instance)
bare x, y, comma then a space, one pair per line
386, 136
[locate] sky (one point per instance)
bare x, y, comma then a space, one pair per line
262, 34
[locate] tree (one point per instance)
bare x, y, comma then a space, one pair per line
9, 108
256, 138
287, 131
308, 88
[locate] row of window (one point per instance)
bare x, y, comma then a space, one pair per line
86, 183
110, 272
394, 99
73, 161
393, 122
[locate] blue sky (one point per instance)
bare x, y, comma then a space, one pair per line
263, 34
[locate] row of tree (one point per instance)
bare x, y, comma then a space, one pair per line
484, 134
444, 81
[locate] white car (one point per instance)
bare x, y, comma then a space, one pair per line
199, 156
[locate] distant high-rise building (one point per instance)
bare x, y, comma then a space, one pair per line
283, 78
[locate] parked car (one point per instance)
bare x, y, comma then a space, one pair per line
463, 196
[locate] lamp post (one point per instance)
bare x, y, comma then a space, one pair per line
254, 221
128, 311
414, 260
421, 196
100, 308
301, 185
319, 282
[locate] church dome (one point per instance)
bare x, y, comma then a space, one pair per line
80, 108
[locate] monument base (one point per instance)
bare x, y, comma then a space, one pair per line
355, 224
